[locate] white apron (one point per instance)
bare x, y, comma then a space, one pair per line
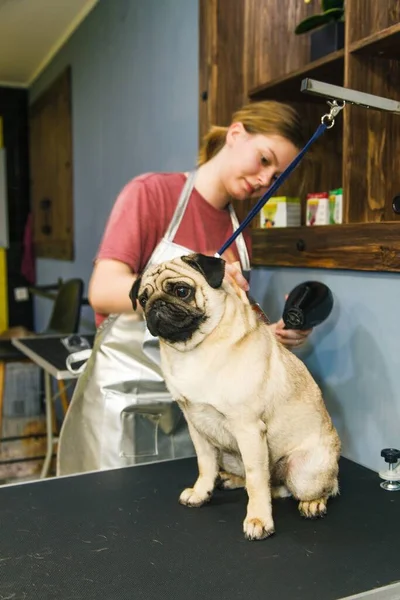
121, 412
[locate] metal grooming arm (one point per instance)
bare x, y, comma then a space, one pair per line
347, 95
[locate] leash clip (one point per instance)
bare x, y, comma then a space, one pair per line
329, 118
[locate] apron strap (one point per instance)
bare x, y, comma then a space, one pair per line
181, 207
240, 243
180, 211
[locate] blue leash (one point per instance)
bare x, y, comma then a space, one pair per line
271, 190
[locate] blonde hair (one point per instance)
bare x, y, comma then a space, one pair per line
266, 118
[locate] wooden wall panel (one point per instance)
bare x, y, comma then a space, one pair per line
272, 48
230, 79
371, 142
207, 63
51, 171
221, 77
366, 17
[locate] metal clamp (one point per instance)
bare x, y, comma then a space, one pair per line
329, 118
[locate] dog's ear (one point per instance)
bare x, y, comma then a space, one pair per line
133, 294
211, 267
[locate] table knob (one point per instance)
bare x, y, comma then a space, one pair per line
391, 455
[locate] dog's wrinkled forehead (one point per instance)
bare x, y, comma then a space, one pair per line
171, 270
196, 269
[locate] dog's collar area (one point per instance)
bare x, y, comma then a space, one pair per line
259, 311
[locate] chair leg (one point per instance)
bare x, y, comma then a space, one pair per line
2, 387
63, 395
49, 425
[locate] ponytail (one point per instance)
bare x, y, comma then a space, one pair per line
212, 143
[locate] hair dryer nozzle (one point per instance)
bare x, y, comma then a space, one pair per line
307, 305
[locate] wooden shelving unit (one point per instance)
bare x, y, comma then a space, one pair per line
359, 154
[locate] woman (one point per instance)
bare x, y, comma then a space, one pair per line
156, 217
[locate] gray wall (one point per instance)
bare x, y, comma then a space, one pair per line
135, 109
354, 355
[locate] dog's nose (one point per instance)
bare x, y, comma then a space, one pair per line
160, 303
159, 306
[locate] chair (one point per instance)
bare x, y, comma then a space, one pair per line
65, 318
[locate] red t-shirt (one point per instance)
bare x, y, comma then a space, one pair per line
142, 213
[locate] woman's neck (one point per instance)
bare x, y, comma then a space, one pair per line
208, 183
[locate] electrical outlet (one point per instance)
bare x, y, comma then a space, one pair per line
21, 294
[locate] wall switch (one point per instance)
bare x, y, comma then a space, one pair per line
21, 294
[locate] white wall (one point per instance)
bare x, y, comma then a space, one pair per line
354, 355
135, 109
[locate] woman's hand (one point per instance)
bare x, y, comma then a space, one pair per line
291, 338
233, 272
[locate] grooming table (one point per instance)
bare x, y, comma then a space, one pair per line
121, 535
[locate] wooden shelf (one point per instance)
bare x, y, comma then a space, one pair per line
329, 68
385, 44
359, 246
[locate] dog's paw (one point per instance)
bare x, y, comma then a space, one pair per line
228, 481
190, 497
256, 528
311, 509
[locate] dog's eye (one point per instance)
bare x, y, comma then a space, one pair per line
142, 301
182, 292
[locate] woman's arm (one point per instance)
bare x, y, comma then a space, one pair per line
127, 243
109, 287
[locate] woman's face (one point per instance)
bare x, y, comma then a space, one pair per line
254, 161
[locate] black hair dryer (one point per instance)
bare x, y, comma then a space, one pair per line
307, 305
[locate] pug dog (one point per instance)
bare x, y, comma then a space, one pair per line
255, 414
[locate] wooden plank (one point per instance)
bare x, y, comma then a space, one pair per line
368, 17
371, 143
360, 247
221, 64
207, 62
328, 69
230, 81
384, 43
51, 170
273, 49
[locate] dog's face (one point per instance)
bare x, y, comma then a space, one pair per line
182, 299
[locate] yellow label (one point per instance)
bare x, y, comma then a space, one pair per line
268, 214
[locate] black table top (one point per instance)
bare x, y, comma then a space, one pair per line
48, 351
121, 535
